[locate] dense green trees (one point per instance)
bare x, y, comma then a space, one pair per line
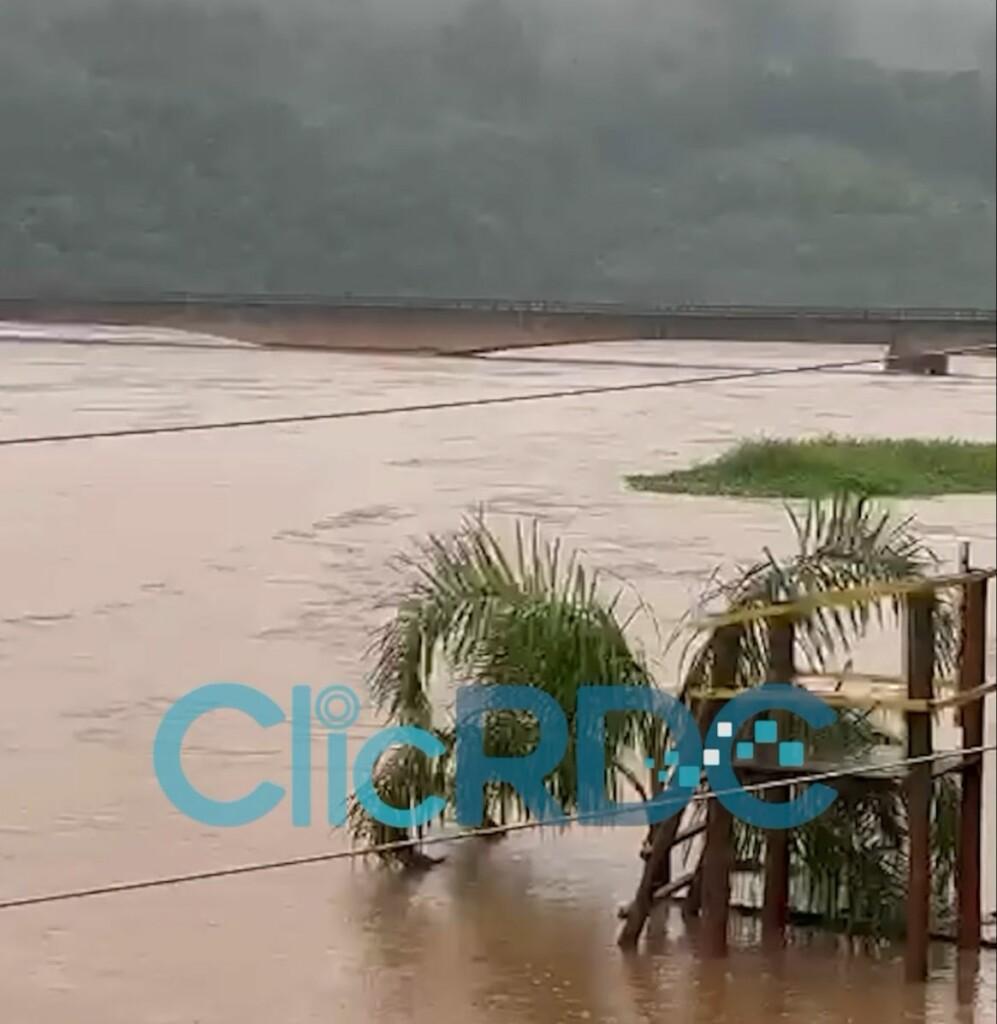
725, 151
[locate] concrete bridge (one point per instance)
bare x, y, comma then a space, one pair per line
470, 326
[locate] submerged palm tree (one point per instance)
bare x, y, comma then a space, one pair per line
852, 859
473, 612
530, 617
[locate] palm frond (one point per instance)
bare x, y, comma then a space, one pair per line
474, 610
532, 616
841, 542
852, 860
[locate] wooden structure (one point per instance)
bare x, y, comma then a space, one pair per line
918, 695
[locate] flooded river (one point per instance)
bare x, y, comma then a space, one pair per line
134, 569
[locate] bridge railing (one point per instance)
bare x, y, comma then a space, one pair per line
536, 306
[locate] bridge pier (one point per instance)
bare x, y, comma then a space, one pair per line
923, 349
915, 352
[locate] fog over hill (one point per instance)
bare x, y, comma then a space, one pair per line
792, 151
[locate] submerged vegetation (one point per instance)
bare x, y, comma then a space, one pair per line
829, 465
745, 151
851, 862
474, 610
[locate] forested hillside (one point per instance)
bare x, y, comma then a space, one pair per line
717, 151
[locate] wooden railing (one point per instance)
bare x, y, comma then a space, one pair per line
915, 694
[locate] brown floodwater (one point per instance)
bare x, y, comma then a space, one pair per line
133, 570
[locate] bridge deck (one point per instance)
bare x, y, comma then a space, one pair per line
464, 326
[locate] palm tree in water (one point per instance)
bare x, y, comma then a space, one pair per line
475, 610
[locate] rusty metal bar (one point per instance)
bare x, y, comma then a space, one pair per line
775, 908
920, 669
972, 675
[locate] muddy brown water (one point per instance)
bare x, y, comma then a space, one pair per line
133, 570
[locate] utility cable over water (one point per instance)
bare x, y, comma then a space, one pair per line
460, 403
480, 833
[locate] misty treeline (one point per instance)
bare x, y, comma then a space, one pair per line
754, 151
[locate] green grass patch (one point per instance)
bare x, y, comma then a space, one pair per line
814, 468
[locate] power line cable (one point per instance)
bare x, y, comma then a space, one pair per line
460, 403
382, 848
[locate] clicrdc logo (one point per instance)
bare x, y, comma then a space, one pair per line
337, 708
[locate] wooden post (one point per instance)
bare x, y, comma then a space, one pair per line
662, 840
920, 657
717, 852
967, 972
972, 674
693, 902
775, 908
